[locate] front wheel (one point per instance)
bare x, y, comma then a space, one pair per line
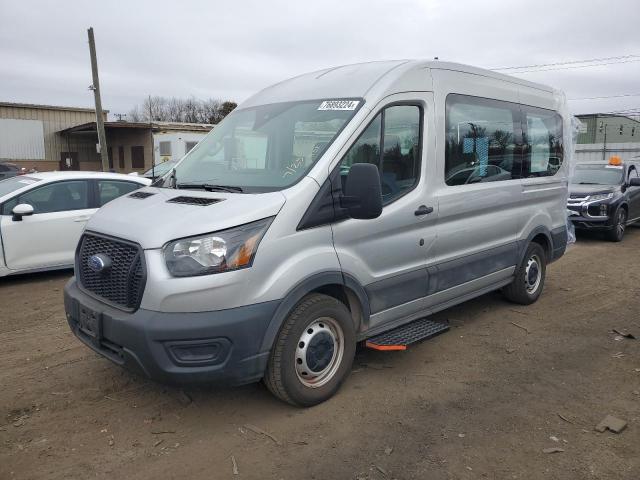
620, 223
529, 280
313, 352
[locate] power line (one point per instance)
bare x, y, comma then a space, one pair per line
576, 66
634, 109
569, 62
607, 96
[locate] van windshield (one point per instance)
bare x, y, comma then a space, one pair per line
264, 148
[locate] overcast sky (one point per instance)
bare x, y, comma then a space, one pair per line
230, 49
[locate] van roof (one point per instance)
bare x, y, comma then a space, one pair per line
360, 80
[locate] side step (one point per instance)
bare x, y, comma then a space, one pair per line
400, 337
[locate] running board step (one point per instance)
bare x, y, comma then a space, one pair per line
400, 337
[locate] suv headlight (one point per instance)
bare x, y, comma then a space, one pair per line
600, 196
216, 252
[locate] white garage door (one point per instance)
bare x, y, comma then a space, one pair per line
21, 139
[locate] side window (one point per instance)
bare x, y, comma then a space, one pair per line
481, 140
392, 143
110, 190
165, 149
7, 207
543, 149
56, 197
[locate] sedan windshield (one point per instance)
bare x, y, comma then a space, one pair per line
12, 184
264, 148
597, 174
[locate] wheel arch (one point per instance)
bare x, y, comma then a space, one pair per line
342, 287
542, 236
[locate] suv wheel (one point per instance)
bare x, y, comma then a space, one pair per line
529, 280
313, 352
619, 226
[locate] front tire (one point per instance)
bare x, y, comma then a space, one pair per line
529, 280
617, 232
313, 352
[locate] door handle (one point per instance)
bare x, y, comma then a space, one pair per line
423, 210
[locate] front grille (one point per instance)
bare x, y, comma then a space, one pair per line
123, 283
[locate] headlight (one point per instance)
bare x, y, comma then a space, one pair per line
600, 196
230, 249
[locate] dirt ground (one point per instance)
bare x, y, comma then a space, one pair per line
480, 401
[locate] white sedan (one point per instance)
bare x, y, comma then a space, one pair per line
42, 215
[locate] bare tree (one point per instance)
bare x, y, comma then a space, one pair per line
189, 110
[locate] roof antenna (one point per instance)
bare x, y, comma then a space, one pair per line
436, 58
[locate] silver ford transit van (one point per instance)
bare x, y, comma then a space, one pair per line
340, 206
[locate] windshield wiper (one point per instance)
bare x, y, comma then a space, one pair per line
589, 183
210, 187
173, 180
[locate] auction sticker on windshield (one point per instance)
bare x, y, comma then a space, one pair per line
339, 105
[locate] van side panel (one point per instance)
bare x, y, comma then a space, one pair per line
478, 221
544, 198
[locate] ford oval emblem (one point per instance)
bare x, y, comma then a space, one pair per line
99, 263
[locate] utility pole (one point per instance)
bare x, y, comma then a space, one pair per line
153, 153
604, 145
102, 138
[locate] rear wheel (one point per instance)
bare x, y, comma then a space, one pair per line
313, 352
620, 224
529, 280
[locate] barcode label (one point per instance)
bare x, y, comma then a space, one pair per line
339, 105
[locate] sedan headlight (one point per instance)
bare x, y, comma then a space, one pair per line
221, 251
600, 196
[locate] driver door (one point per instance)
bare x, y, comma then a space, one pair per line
48, 238
390, 255
634, 195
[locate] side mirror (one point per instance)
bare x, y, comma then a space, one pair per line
21, 210
634, 182
363, 193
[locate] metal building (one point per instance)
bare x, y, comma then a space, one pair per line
29, 135
45, 137
604, 135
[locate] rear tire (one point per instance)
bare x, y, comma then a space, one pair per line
616, 234
313, 352
529, 280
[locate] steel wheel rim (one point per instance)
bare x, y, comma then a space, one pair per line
621, 220
313, 351
533, 274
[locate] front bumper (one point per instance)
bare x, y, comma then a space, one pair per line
587, 222
587, 215
184, 348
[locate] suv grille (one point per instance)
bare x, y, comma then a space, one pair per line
123, 282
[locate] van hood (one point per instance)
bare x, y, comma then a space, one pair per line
161, 216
